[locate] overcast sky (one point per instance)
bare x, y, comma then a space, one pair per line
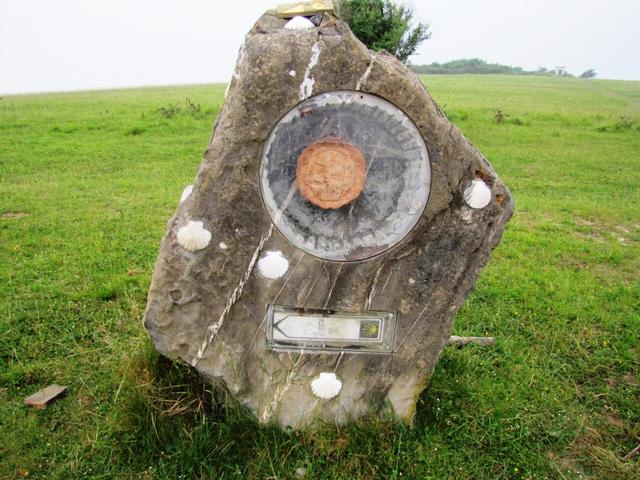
52, 45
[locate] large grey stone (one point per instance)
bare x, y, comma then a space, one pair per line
208, 307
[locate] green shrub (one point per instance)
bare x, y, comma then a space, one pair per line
384, 25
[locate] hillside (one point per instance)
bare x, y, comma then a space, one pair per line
88, 182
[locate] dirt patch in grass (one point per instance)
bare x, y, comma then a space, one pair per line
625, 234
13, 215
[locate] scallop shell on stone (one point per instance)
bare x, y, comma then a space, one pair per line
478, 194
299, 23
193, 236
186, 192
326, 386
273, 265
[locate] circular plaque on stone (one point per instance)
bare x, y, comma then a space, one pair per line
345, 175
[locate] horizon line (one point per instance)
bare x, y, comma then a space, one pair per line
200, 84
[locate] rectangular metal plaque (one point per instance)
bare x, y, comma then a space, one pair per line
291, 328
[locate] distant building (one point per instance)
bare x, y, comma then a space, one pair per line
560, 71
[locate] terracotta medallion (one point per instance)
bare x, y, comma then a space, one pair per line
331, 173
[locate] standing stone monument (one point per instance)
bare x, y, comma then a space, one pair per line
335, 227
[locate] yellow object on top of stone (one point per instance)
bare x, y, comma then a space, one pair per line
306, 8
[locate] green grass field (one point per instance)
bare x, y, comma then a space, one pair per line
88, 182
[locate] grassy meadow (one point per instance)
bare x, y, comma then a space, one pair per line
88, 181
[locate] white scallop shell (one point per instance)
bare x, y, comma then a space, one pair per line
326, 386
273, 265
186, 192
299, 23
193, 236
478, 194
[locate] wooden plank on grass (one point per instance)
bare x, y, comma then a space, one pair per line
45, 396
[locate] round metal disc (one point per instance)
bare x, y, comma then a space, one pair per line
345, 175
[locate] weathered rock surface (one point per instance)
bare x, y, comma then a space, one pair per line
207, 307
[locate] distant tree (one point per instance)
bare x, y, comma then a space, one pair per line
588, 74
468, 66
479, 66
384, 25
